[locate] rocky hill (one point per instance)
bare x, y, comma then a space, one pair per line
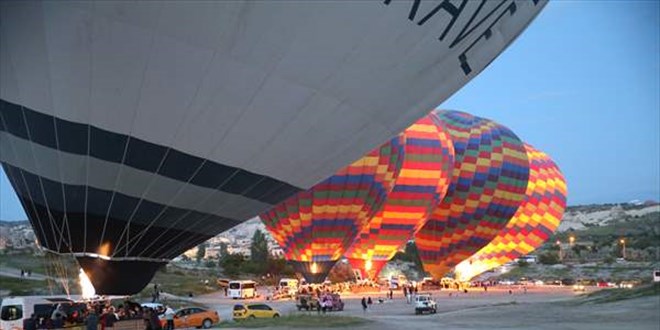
581, 217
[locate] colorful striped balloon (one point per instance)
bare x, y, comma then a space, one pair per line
315, 227
488, 184
425, 175
536, 219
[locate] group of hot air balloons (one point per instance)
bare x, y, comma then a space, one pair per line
466, 189
132, 131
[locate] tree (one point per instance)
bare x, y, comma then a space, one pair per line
548, 258
224, 250
413, 255
231, 264
201, 252
259, 248
279, 266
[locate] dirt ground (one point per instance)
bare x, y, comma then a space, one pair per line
543, 307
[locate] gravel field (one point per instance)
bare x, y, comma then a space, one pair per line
544, 307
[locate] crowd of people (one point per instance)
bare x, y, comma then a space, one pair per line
97, 314
104, 314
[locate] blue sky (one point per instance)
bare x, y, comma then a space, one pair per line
583, 84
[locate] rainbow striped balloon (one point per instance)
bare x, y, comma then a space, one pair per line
315, 227
488, 184
425, 175
536, 219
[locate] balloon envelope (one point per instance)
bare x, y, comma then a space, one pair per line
535, 220
316, 226
488, 184
426, 171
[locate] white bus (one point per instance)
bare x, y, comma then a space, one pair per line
242, 289
288, 287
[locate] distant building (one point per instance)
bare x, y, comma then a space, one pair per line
530, 259
213, 252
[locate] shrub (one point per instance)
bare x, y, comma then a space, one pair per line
548, 258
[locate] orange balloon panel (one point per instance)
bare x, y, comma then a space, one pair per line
536, 219
488, 184
425, 174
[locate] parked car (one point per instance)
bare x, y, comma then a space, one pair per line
158, 307
579, 288
424, 303
567, 281
628, 284
332, 302
253, 311
306, 302
193, 317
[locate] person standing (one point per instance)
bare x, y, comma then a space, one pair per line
58, 323
103, 318
154, 321
92, 320
30, 323
146, 317
364, 304
169, 316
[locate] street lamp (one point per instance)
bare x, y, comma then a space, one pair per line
623, 250
571, 240
561, 257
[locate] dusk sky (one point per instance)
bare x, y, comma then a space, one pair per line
582, 83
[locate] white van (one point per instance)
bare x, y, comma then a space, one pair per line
242, 289
15, 309
288, 287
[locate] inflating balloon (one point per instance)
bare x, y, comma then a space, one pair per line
426, 171
488, 184
316, 226
535, 220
